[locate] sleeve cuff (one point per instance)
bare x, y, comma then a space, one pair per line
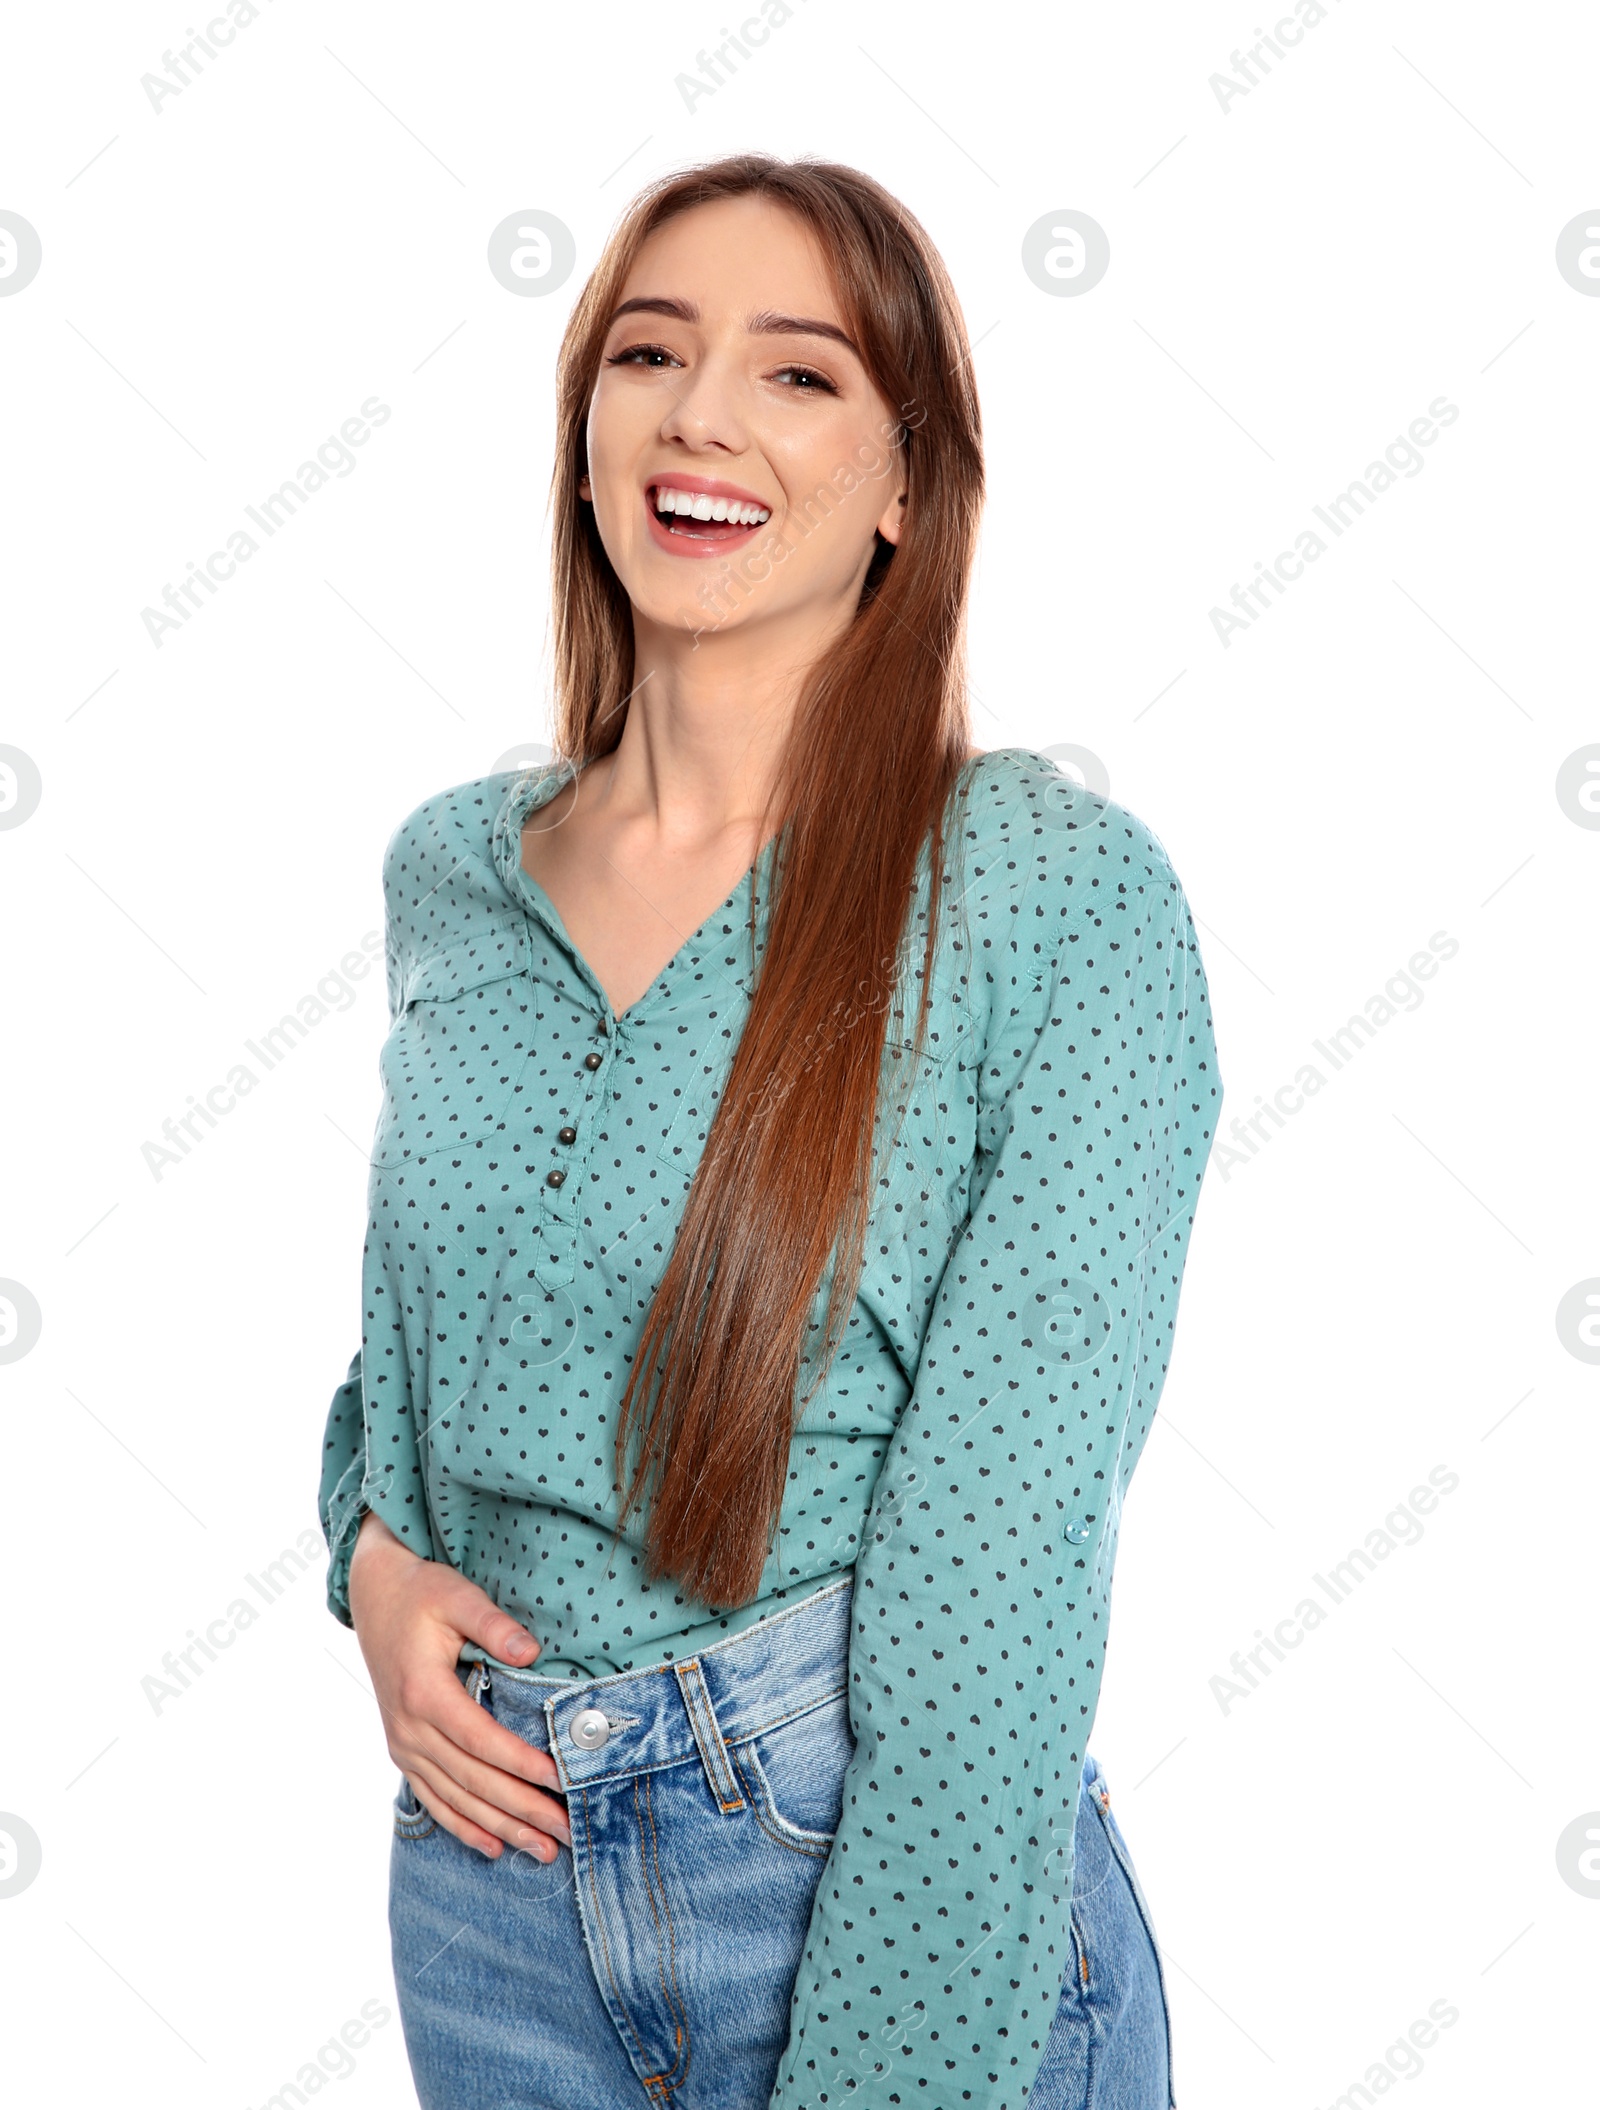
345, 1512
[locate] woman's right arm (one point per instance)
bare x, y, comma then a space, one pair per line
411, 1613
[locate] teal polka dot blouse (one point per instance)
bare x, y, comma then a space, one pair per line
968, 1454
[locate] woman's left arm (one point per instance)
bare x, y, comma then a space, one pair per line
939, 1932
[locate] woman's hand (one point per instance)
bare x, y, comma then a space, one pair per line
475, 1777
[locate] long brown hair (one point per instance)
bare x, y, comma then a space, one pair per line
878, 739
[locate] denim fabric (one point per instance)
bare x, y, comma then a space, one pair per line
655, 1962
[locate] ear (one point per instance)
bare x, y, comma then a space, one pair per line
893, 518
585, 490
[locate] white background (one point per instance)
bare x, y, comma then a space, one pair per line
1373, 1286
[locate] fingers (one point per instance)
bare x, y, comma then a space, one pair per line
498, 1634
435, 1709
475, 1768
533, 1826
505, 1785
474, 1612
442, 1597
444, 1815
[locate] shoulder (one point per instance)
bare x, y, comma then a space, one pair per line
1100, 954
1064, 847
458, 820
442, 866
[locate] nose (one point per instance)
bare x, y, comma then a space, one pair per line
705, 410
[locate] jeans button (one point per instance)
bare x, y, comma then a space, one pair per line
589, 1729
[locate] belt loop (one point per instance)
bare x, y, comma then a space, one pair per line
703, 1721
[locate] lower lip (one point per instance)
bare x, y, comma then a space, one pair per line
697, 538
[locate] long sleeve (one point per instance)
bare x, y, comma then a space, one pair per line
939, 1932
349, 1487
340, 1505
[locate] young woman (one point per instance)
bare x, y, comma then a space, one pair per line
794, 1120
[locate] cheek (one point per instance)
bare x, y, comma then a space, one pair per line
835, 505
858, 478
618, 426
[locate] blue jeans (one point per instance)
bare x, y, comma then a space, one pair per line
654, 1962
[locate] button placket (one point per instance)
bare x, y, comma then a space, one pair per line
558, 1211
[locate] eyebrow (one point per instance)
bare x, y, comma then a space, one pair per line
765, 323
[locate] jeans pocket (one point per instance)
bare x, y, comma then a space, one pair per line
411, 1820
1100, 1796
794, 1774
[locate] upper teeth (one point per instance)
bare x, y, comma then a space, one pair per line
704, 507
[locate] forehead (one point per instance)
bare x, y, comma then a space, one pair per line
733, 257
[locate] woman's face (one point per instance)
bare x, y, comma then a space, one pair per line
728, 380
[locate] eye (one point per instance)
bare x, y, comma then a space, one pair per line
639, 353
815, 382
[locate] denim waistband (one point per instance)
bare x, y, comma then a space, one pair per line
668, 1712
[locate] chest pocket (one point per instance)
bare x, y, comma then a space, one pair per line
454, 1059
949, 1032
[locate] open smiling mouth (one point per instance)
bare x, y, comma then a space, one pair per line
689, 520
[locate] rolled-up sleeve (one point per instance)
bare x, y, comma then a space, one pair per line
340, 1503
939, 1932
370, 1454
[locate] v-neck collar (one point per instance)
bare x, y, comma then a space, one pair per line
526, 795
535, 788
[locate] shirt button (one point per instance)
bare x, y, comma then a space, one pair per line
589, 1729
1077, 1531
554, 1179
592, 1062
566, 1135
